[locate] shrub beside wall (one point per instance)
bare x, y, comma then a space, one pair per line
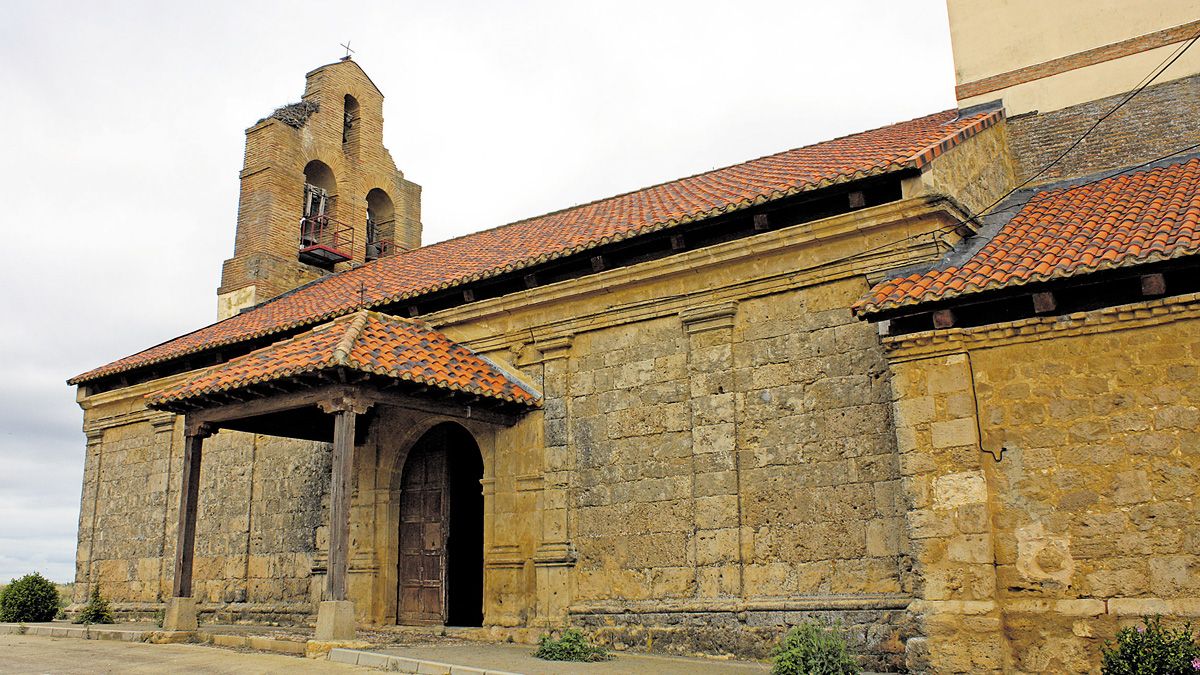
30, 599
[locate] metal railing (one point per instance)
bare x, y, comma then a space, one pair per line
325, 238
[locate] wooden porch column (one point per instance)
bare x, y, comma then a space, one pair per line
339, 504
181, 610
336, 617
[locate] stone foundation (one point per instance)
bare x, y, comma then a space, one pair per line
878, 636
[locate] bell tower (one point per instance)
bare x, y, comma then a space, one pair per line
319, 192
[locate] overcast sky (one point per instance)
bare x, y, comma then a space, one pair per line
123, 136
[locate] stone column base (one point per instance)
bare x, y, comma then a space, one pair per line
335, 620
180, 614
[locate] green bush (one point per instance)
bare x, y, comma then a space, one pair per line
97, 610
30, 598
572, 646
813, 649
1151, 649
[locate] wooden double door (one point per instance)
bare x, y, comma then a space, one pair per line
441, 532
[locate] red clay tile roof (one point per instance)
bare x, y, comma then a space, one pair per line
369, 342
1124, 220
906, 145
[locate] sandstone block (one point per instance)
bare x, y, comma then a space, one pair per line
972, 518
717, 512
947, 378
883, 537
335, 621
180, 614
925, 524
1131, 487
716, 546
952, 433
1138, 606
1174, 575
959, 489
970, 548
717, 581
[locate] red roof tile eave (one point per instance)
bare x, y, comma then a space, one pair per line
172, 401
391, 340
866, 310
1126, 220
951, 134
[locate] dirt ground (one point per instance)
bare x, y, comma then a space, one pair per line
38, 655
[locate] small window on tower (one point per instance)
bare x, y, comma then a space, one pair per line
381, 224
349, 119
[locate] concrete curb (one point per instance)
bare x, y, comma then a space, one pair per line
401, 664
79, 632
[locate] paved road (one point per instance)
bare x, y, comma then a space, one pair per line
43, 655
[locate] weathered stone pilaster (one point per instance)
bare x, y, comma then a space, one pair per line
164, 436
555, 554
948, 516
715, 472
85, 555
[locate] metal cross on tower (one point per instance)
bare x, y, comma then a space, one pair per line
349, 51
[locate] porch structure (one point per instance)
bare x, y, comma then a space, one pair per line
331, 384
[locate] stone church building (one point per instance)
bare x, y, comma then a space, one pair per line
938, 381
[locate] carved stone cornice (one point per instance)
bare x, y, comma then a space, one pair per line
488, 485
826, 264
529, 482
555, 348
555, 554
711, 317
504, 556
935, 343
154, 417
163, 424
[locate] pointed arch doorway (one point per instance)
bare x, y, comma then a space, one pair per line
441, 530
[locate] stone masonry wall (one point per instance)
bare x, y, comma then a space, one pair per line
1157, 122
737, 456
1096, 510
1089, 519
261, 502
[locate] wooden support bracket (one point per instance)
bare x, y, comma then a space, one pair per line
943, 318
1154, 284
1044, 302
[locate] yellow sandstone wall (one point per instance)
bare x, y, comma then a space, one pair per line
1089, 520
